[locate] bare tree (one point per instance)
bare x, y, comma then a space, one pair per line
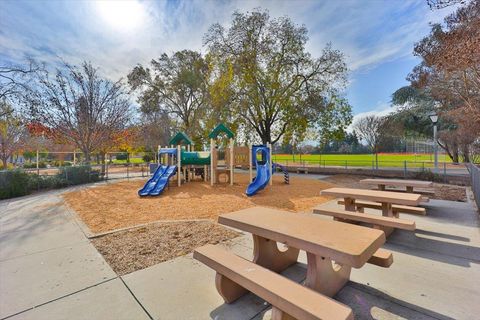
14, 79
12, 132
80, 107
370, 129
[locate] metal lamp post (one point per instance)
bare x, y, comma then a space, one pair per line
434, 118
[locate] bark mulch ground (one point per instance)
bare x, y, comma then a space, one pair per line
139, 248
116, 205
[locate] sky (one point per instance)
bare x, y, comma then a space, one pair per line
377, 37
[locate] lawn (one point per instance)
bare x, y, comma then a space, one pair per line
361, 160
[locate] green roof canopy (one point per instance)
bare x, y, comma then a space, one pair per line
219, 129
179, 138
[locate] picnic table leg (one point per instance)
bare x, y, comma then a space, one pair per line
228, 290
267, 254
278, 314
381, 187
349, 204
325, 276
409, 189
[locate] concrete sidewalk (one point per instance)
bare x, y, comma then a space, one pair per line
50, 270
435, 275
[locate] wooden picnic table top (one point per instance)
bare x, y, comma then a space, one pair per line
398, 182
345, 243
409, 199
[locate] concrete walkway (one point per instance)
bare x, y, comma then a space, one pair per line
50, 270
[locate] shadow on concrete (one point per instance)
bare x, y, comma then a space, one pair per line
441, 251
441, 235
370, 303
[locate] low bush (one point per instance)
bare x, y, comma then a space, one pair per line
32, 165
17, 183
79, 174
148, 157
122, 156
428, 175
14, 183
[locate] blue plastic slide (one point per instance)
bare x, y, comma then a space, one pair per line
263, 172
152, 181
163, 181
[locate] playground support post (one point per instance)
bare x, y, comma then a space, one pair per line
232, 167
269, 146
212, 170
179, 165
250, 159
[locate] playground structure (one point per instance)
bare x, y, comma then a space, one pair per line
178, 160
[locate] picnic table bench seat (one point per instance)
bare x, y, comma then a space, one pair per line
236, 276
373, 219
396, 208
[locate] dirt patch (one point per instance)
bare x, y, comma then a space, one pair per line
449, 192
442, 191
117, 205
139, 248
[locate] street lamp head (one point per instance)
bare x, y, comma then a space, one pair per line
434, 118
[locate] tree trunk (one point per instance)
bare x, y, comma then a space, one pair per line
4, 162
86, 153
103, 164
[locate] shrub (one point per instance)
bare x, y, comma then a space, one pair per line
426, 174
41, 164
122, 156
148, 157
78, 175
14, 183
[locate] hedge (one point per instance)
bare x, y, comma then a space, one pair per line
17, 183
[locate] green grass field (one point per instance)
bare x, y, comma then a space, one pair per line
361, 160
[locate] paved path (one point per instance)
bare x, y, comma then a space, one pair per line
49, 270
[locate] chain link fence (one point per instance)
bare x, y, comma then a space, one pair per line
475, 181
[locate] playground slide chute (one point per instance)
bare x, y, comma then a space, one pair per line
163, 181
152, 181
263, 173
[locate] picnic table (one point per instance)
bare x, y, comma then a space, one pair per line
408, 184
386, 198
332, 247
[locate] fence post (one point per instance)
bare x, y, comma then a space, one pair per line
38, 169
444, 172
405, 168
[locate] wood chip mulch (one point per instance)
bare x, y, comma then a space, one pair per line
135, 249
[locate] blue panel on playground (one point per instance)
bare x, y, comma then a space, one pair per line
263, 159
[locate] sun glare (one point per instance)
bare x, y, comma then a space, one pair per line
121, 14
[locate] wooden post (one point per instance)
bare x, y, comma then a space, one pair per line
269, 146
212, 160
205, 173
74, 157
250, 159
179, 165
232, 163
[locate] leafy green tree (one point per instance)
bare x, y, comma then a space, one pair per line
276, 89
176, 85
